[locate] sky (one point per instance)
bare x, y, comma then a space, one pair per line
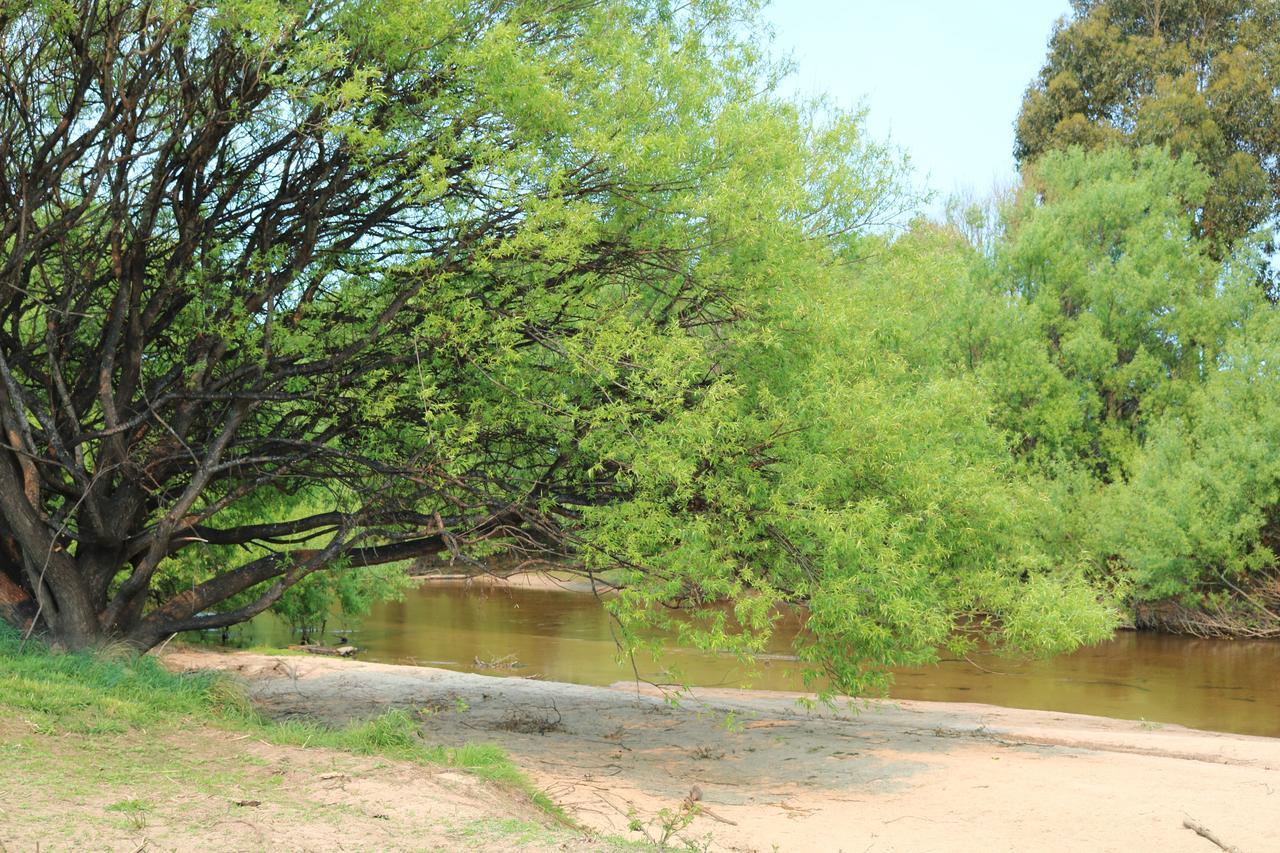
942, 79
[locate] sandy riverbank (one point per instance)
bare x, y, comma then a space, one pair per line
906, 776
552, 580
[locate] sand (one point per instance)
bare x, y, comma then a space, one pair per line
767, 774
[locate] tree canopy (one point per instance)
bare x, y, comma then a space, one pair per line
302, 287
392, 259
1196, 76
1128, 369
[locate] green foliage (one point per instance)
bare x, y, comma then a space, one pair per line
342, 590
1201, 513
1117, 313
1132, 374
850, 465
570, 279
1196, 76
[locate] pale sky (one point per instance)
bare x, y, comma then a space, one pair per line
942, 79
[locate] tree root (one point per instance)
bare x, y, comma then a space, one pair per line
1253, 615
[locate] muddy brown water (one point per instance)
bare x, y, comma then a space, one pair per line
563, 635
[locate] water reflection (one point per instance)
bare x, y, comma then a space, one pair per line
565, 636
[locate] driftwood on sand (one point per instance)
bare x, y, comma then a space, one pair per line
1204, 832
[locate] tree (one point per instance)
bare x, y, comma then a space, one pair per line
290, 287
1196, 76
1120, 313
854, 469
418, 263
1134, 377
1198, 521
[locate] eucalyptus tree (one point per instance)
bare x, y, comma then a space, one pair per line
1196, 76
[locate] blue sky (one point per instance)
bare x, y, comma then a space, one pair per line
942, 79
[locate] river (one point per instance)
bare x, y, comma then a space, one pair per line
562, 635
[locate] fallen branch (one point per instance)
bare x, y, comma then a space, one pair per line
1204, 832
693, 806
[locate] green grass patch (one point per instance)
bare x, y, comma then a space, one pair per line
395, 735
106, 692
115, 692
514, 833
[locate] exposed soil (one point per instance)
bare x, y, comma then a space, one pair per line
756, 771
212, 790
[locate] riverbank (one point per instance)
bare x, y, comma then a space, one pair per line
746, 770
563, 581
534, 626
113, 752
1243, 617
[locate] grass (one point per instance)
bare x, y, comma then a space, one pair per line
113, 692
102, 737
396, 735
105, 693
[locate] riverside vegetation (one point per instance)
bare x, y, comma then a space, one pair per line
293, 292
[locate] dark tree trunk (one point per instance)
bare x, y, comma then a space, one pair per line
16, 605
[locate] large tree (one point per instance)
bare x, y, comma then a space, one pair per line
1196, 76
303, 285
296, 286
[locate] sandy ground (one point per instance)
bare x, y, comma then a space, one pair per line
766, 774
217, 791
564, 581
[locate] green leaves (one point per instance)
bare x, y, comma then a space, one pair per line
1200, 511
572, 280
845, 463
1116, 310
1133, 375
1197, 79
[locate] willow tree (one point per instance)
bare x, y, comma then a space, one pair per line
291, 287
